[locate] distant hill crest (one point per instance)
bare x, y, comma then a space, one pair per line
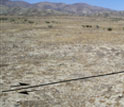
47, 8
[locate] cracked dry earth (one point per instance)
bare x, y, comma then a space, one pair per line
25, 59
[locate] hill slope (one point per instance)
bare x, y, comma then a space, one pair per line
47, 8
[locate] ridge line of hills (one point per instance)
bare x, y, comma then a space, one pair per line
8, 7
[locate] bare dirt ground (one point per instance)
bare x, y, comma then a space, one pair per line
58, 48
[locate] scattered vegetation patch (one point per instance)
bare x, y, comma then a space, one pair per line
97, 26
50, 26
109, 29
30, 22
83, 25
55, 22
12, 20
87, 26
16, 20
47, 22
25, 20
3, 18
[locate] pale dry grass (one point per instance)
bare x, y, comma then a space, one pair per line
35, 53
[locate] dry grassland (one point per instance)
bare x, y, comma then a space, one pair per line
48, 49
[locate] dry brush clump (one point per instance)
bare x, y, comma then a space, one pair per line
109, 29
17, 20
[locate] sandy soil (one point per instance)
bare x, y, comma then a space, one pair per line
38, 54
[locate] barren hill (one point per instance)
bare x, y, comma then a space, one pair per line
47, 8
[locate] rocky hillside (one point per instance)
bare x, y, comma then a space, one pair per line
46, 8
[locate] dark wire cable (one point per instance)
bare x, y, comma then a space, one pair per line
62, 81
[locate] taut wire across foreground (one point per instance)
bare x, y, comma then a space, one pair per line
62, 81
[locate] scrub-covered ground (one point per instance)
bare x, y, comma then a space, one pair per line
49, 49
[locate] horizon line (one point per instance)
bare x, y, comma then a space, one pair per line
69, 4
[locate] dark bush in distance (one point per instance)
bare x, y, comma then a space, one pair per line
31, 22
50, 26
87, 26
109, 29
12, 20
25, 20
83, 25
47, 22
3, 19
97, 26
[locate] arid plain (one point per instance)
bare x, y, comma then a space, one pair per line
37, 50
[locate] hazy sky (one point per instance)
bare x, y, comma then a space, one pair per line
113, 4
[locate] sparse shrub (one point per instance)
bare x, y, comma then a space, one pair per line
109, 29
25, 20
54, 22
3, 19
83, 25
50, 26
47, 22
88, 26
97, 26
31, 22
12, 20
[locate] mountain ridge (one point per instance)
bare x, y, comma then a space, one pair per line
49, 8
